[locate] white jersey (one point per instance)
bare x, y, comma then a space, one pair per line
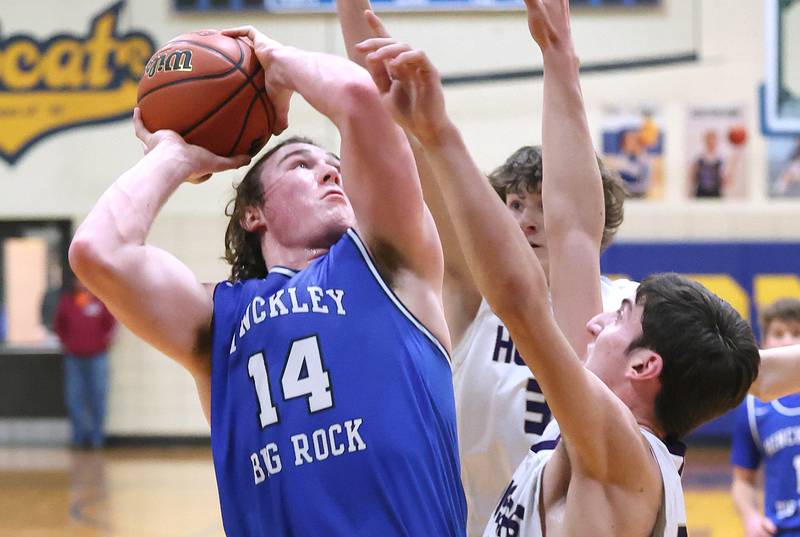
517, 513
500, 409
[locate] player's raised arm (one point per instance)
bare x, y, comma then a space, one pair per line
461, 296
355, 27
779, 373
572, 190
587, 410
149, 290
378, 168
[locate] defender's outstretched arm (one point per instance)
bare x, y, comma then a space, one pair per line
460, 295
778, 374
572, 189
602, 435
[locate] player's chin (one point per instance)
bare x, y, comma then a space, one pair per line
339, 221
343, 216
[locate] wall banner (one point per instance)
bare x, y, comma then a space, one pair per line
68, 80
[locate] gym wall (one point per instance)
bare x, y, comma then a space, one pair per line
62, 174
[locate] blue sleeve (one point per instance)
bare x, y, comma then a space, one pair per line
744, 451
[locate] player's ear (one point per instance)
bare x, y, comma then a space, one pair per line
253, 220
645, 364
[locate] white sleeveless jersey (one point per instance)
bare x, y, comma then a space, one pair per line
517, 513
501, 411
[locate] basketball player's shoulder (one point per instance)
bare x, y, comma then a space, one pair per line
669, 456
367, 262
226, 290
227, 300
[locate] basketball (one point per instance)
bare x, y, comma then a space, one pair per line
209, 88
737, 135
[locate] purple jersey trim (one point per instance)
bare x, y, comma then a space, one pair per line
545, 444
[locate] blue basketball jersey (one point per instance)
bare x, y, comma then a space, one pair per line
332, 409
770, 433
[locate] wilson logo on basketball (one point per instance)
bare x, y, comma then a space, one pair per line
221, 105
64, 81
177, 60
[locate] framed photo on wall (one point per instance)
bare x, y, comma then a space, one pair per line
633, 144
717, 142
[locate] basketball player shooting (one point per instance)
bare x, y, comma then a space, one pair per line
322, 365
673, 356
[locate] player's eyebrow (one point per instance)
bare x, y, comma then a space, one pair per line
299, 151
333, 160
626, 305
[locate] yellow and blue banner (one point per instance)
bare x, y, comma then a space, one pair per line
68, 80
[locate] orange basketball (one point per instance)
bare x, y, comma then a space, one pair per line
737, 135
209, 88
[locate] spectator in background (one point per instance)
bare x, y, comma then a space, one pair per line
85, 327
50, 300
709, 175
768, 432
3, 323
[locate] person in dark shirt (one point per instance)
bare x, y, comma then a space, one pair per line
85, 328
709, 174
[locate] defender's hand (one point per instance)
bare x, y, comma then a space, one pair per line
409, 84
548, 22
376, 24
196, 163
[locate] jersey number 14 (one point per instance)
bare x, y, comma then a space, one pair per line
303, 375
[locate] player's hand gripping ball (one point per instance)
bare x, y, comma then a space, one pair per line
209, 88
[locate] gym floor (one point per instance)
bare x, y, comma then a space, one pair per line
171, 492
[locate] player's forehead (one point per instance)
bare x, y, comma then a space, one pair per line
301, 149
630, 293
525, 195
283, 159
784, 325
631, 308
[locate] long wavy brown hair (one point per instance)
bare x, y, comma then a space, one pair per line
242, 247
